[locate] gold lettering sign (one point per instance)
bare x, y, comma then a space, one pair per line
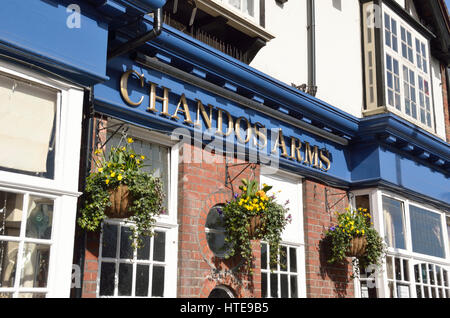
124, 87
302, 152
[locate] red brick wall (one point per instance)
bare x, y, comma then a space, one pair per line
201, 186
445, 101
91, 265
323, 280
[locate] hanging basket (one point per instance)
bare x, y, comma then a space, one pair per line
256, 225
357, 247
121, 200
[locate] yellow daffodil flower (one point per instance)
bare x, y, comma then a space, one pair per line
130, 140
113, 174
119, 177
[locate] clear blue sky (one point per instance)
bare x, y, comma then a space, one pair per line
447, 2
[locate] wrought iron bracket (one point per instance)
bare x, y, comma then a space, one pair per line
229, 180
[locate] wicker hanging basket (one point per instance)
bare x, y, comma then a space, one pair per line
256, 223
357, 247
121, 200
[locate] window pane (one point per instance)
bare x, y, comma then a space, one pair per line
274, 285
107, 279
389, 267
394, 223
126, 250
156, 159
125, 279
424, 274
142, 276
293, 260
284, 286
235, 3
294, 288
398, 271
264, 285
11, 205
35, 267
283, 258
215, 234
8, 259
143, 253
419, 291
39, 218
263, 256
426, 232
27, 127
249, 7
159, 247
448, 229
417, 273
109, 240
158, 281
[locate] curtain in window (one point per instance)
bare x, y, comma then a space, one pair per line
394, 223
27, 115
426, 232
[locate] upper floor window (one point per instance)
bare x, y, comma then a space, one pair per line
397, 68
246, 7
406, 62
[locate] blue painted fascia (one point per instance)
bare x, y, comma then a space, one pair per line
37, 32
404, 135
181, 48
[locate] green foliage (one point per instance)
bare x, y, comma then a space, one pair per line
238, 213
352, 223
123, 167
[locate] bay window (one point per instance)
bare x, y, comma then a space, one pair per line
417, 263
39, 119
400, 60
414, 69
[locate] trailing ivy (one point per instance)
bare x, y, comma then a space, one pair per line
122, 168
238, 214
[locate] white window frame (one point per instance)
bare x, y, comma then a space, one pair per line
413, 66
236, 18
63, 188
299, 241
381, 279
167, 223
169, 264
254, 18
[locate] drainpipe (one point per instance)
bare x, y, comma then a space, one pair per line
140, 40
311, 27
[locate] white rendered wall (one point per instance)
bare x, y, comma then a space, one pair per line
438, 97
285, 57
338, 50
339, 55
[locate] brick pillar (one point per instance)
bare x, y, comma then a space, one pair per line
323, 280
91, 265
444, 76
201, 186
